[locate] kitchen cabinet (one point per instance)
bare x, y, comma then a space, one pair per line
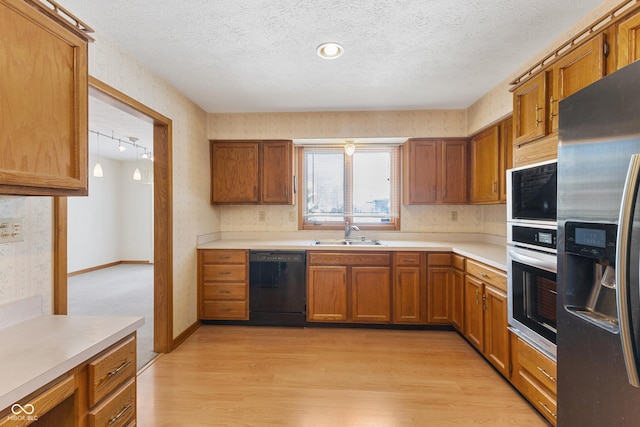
439, 288
409, 288
223, 284
349, 287
98, 392
628, 40
457, 292
485, 166
435, 171
485, 316
251, 172
506, 155
535, 102
43, 101
534, 375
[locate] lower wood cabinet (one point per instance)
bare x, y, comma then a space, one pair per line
223, 284
409, 288
534, 375
457, 292
349, 287
485, 314
439, 288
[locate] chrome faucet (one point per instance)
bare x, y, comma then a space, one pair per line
348, 229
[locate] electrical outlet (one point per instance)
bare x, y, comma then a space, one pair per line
261, 216
11, 230
454, 216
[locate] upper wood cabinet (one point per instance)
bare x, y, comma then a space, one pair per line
530, 109
435, 171
43, 102
491, 154
628, 38
251, 172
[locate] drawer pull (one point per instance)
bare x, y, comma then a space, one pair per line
224, 292
224, 257
224, 273
546, 408
410, 260
120, 414
483, 274
120, 368
546, 374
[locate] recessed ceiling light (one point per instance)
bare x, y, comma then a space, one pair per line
330, 50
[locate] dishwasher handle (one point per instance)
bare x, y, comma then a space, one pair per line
277, 256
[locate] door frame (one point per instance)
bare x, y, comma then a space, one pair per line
163, 218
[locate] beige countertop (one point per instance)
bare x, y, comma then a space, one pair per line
37, 351
491, 254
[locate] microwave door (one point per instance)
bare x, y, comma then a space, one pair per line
627, 272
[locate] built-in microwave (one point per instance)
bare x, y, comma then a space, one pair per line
532, 193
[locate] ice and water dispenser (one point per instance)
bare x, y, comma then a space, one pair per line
590, 277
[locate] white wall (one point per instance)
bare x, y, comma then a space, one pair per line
114, 223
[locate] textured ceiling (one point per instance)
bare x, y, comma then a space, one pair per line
259, 55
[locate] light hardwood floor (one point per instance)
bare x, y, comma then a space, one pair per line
263, 376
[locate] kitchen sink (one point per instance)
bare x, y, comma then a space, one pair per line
342, 242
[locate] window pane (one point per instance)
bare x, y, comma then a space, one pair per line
371, 187
324, 186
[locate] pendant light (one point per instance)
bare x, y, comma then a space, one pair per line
137, 176
349, 148
97, 169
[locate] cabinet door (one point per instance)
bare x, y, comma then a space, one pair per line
371, 294
473, 313
485, 166
439, 295
575, 70
529, 109
628, 37
454, 171
276, 172
421, 175
457, 300
407, 298
506, 155
327, 293
234, 172
43, 104
496, 334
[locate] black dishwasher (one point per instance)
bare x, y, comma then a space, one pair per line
277, 288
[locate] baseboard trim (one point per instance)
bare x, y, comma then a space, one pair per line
100, 267
184, 335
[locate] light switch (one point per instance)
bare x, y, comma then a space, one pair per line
11, 230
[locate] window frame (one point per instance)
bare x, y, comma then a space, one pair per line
394, 223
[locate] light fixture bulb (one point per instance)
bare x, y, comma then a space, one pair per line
121, 147
97, 170
137, 176
349, 148
330, 50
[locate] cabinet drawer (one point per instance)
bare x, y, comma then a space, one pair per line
349, 258
538, 366
487, 274
118, 410
224, 310
225, 291
224, 273
537, 395
224, 257
408, 259
458, 262
439, 259
112, 369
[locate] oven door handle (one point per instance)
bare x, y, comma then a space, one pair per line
545, 262
625, 224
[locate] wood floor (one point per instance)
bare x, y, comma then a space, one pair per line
259, 376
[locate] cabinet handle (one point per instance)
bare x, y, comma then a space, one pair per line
255, 191
224, 292
477, 294
483, 274
410, 260
120, 368
538, 121
494, 186
120, 414
551, 102
546, 374
224, 273
224, 257
433, 192
546, 408
484, 301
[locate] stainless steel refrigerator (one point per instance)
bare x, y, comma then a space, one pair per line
598, 325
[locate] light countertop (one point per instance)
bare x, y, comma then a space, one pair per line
491, 254
37, 351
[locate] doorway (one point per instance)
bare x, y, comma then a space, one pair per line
162, 219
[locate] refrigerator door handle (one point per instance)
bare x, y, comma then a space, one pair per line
622, 259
